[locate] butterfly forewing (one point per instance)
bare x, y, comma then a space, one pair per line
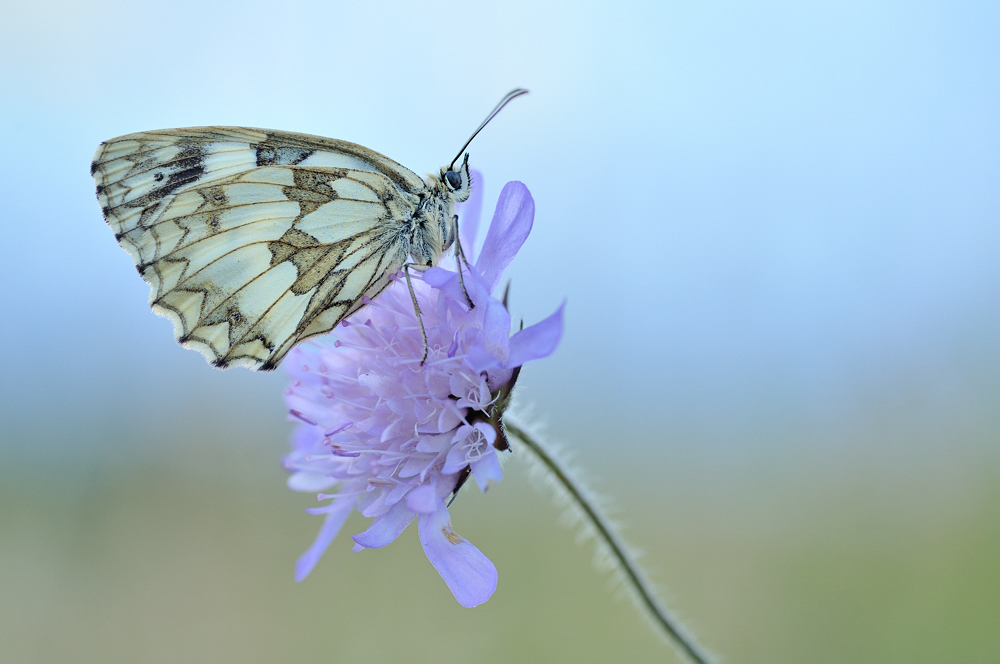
252, 240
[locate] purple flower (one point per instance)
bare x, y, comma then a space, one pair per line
396, 438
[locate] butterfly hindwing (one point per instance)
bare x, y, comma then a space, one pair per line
252, 240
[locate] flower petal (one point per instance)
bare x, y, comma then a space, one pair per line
424, 499
509, 229
469, 213
480, 359
496, 331
381, 386
339, 509
455, 461
470, 575
486, 470
305, 437
438, 277
537, 341
387, 527
448, 283
309, 481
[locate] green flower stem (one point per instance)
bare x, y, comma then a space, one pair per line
659, 614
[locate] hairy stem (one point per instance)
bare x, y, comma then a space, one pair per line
633, 574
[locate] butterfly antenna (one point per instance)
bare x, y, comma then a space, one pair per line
503, 102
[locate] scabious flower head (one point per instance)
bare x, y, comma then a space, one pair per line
395, 438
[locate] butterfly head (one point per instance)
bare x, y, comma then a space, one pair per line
457, 181
432, 227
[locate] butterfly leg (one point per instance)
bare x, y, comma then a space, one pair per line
459, 259
416, 309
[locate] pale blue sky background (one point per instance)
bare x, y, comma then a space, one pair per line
771, 220
777, 225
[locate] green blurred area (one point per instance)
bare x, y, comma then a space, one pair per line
810, 561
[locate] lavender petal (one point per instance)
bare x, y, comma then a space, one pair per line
487, 470
538, 340
509, 229
386, 528
335, 517
469, 574
469, 214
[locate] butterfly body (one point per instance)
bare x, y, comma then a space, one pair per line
252, 240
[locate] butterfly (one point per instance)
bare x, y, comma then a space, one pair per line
253, 240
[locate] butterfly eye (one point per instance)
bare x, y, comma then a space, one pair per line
454, 179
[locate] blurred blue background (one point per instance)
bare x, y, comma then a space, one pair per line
776, 225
